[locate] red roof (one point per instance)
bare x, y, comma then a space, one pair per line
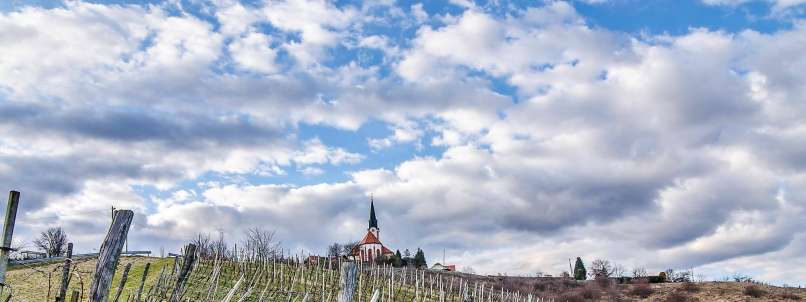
369, 239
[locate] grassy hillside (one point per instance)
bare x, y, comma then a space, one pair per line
41, 282
292, 282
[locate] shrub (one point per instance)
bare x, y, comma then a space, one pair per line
690, 287
654, 279
570, 297
754, 291
641, 290
790, 296
589, 293
604, 282
680, 297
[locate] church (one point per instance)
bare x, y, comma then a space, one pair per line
370, 248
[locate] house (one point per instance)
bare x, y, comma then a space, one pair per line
25, 255
370, 247
440, 267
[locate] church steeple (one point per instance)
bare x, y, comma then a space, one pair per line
373, 222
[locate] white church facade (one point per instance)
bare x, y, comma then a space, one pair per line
370, 247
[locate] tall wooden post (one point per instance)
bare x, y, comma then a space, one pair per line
65, 274
187, 265
8, 232
142, 283
347, 281
109, 256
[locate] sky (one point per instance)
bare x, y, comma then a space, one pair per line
510, 135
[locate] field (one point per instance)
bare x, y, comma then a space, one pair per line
41, 282
296, 281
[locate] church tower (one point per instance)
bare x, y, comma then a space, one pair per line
371, 248
373, 222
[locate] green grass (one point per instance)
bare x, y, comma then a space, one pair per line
30, 283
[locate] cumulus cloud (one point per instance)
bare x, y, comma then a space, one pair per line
661, 151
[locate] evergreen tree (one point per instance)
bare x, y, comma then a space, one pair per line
398, 259
419, 259
579, 270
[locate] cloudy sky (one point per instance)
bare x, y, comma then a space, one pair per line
669, 134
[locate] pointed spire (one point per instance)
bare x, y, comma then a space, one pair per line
373, 222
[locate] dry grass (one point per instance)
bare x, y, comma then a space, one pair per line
641, 290
754, 291
679, 297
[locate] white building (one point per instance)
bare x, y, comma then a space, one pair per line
371, 247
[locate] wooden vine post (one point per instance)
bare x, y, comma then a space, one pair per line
8, 232
142, 283
187, 265
62, 296
347, 281
109, 256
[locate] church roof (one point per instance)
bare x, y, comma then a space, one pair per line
373, 222
369, 239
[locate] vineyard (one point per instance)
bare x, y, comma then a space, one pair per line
295, 280
202, 274
286, 280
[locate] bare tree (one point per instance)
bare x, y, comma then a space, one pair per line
639, 272
334, 250
347, 248
204, 247
619, 270
260, 244
601, 268
341, 249
52, 241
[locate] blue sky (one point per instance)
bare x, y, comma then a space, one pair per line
555, 123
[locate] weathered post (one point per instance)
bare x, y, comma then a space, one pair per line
74, 296
123, 281
375, 295
62, 296
109, 256
142, 283
347, 281
187, 265
8, 232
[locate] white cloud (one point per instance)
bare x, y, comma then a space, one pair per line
253, 52
614, 139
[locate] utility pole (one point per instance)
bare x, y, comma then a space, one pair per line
8, 232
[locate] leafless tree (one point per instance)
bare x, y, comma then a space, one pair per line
601, 268
639, 272
347, 247
208, 248
203, 246
341, 249
52, 241
259, 243
334, 250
